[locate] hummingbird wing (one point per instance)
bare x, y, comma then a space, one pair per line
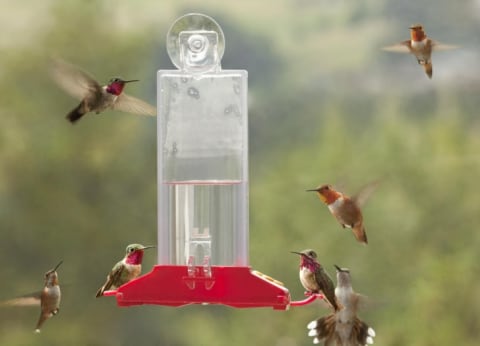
402, 47
440, 46
365, 192
130, 104
32, 299
326, 286
112, 278
73, 80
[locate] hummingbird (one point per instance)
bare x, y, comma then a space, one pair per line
420, 46
93, 96
315, 279
126, 270
343, 328
48, 298
347, 209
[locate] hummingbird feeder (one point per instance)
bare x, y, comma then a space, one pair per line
202, 132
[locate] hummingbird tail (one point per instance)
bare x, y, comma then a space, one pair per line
362, 333
323, 329
428, 69
41, 320
360, 234
326, 329
99, 292
76, 113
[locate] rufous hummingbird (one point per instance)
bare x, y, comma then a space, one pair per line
315, 279
420, 46
93, 96
343, 328
347, 210
126, 270
48, 298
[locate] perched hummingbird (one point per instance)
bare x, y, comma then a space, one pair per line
347, 209
126, 270
342, 328
314, 278
93, 96
420, 46
48, 298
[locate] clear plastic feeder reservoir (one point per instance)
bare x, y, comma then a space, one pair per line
202, 159
202, 181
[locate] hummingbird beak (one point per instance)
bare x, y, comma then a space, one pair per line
297, 253
132, 80
316, 190
340, 270
58, 265
148, 247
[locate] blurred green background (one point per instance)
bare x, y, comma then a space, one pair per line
326, 106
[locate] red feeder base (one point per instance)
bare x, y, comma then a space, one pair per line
172, 285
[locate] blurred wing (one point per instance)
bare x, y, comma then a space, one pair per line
131, 104
362, 301
364, 194
402, 47
73, 79
32, 299
440, 46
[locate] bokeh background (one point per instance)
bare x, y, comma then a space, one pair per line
326, 106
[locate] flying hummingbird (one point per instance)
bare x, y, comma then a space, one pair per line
314, 278
347, 209
342, 328
93, 96
48, 298
126, 270
420, 46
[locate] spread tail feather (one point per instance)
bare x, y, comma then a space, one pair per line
325, 330
322, 329
362, 334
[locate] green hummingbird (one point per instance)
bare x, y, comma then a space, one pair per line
126, 270
314, 278
48, 298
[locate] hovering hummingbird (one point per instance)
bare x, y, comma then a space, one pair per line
420, 46
347, 209
48, 298
93, 96
342, 328
314, 278
126, 270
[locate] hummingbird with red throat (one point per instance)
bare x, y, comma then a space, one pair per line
126, 270
48, 298
315, 279
343, 328
420, 46
347, 209
95, 97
